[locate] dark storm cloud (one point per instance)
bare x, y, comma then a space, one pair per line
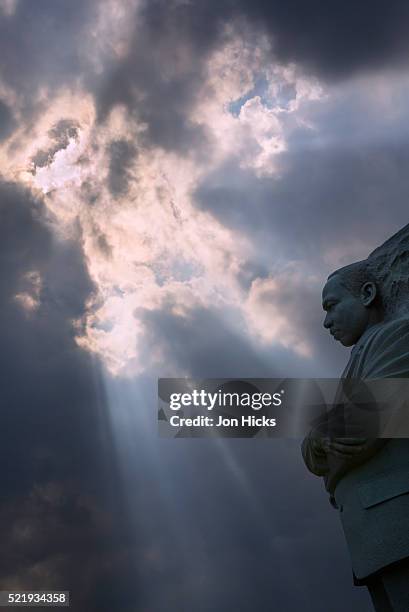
322, 199
42, 43
56, 515
7, 122
121, 155
333, 38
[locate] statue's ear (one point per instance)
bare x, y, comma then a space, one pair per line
368, 293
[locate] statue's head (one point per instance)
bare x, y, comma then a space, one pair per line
352, 302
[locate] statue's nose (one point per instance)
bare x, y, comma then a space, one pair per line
327, 322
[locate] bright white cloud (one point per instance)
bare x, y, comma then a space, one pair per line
256, 132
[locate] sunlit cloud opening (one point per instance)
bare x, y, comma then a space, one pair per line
147, 245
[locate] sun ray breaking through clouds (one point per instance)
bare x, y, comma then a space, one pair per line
178, 178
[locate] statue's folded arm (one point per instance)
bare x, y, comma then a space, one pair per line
315, 459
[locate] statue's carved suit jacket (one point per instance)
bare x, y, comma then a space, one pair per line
372, 491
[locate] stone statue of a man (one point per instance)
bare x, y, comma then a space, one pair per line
368, 479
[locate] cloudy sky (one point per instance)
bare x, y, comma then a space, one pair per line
177, 179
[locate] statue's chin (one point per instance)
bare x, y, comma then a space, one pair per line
345, 341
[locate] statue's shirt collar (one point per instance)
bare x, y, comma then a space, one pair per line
364, 339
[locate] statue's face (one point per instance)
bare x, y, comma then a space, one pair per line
347, 317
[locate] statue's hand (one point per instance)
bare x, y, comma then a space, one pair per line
344, 447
